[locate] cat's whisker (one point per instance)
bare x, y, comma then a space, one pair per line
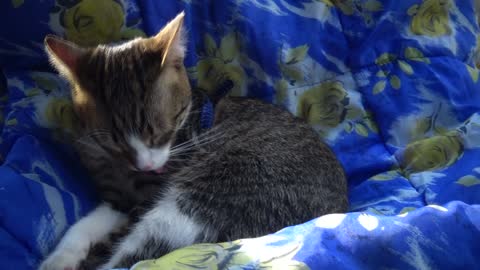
96, 133
195, 143
196, 139
189, 147
91, 145
198, 142
89, 139
175, 158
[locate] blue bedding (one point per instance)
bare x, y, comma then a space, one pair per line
391, 85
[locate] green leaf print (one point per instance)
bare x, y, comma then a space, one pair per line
354, 113
291, 72
385, 59
229, 47
468, 181
406, 67
381, 177
407, 209
381, 74
473, 73
33, 92
412, 10
371, 125
210, 45
395, 82
373, 5
387, 176
412, 53
12, 122
349, 127
281, 88
422, 126
296, 55
379, 87
361, 130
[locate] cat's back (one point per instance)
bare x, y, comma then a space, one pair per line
260, 126
265, 169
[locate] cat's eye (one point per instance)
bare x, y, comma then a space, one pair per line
162, 140
182, 110
118, 139
115, 138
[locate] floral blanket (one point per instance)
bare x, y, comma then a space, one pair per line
391, 85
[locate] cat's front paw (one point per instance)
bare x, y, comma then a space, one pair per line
63, 260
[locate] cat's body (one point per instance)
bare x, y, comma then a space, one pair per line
257, 170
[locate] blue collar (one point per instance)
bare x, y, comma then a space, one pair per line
208, 107
207, 114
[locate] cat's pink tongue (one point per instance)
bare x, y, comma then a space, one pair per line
159, 170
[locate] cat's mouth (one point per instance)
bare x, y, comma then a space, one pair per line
159, 170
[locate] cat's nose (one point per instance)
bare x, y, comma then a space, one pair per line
146, 167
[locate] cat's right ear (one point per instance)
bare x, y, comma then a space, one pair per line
64, 55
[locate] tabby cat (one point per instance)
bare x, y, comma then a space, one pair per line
171, 180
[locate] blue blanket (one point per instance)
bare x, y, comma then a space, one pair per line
391, 85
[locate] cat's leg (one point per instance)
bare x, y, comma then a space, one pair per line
74, 246
161, 230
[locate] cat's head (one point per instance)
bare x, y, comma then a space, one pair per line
137, 92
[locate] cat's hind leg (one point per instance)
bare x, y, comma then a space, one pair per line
161, 230
75, 244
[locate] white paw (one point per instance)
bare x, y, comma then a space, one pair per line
63, 260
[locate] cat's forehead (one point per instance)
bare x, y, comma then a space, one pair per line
136, 51
125, 64
124, 45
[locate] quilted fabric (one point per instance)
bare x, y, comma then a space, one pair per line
390, 85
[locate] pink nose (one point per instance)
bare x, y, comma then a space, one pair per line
147, 167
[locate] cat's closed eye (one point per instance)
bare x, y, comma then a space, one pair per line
159, 141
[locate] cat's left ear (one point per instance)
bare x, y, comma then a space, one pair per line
172, 39
64, 55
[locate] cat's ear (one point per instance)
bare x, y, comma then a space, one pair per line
173, 38
64, 55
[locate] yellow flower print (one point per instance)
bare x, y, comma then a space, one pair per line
431, 18
364, 9
324, 105
477, 49
346, 6
432, 153
224, 256
220, 66
17, 3
199, 256
290, 71
92, 22
59, 113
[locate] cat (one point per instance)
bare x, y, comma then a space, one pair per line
172, 167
